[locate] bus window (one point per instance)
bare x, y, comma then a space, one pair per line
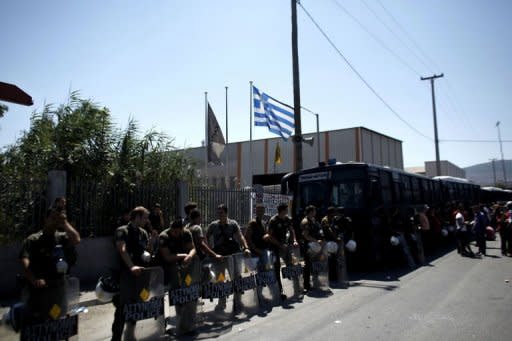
313, 193
407, 193
385, 183
348, 194
415, 189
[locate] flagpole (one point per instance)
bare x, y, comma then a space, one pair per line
227, 143
206, 138
251, 105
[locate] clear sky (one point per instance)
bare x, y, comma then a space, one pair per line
153, 60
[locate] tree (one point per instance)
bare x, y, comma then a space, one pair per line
3, 109
79, 137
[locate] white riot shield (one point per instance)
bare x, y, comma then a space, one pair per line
292, 278
142, 299
406, 251
245, 295
320, 270
215, 314
50, 313
266, 282
341, 266
418, 243
184, 293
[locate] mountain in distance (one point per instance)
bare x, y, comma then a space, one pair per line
483, 174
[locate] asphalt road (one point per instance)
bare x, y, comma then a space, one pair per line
452, 298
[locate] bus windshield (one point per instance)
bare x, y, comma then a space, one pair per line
348, 194
314, 193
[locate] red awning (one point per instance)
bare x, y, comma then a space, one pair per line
11, 93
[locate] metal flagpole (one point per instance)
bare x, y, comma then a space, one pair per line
206, 138
227, 143
251, 106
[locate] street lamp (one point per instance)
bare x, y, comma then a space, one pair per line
317, 132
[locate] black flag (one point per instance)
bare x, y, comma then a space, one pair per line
216, 142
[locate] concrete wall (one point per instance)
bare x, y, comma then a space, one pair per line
96, 256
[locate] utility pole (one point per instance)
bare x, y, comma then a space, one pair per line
501, 150
438, 163
297, 138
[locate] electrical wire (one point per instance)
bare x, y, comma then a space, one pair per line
377, 39
461, 116
424, 55
476, 141
394, 34
360, 76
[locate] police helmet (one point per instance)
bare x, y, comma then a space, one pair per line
394, 241
106, 289
351, 245
146, 257
332, 247
314, 247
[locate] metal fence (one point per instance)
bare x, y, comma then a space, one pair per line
94, 207
238, 202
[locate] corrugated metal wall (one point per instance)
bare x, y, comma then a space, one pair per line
352, 144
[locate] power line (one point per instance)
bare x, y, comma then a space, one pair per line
377, 39
476, 141
449, 89
394, 34
360, 76
424, 55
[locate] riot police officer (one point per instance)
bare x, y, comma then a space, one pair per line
131, 244
313, 236
49, 253
278, 227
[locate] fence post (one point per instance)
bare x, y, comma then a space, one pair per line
57, 181
181, 198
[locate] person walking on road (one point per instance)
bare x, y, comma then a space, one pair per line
462, 234
480, 223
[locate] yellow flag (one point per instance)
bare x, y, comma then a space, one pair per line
277, 156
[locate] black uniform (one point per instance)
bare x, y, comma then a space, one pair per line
316, 232
136, 240
224, 241
44, 250
41, 250
258, 230
278, 228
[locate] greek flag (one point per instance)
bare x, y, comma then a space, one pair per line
269, 112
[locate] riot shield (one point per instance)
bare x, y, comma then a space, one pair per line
320, 270
245, 295
142, 301
406, 250
418, 246
215, 313
292, 277
341, 279
50, 312
184, 293
266, 282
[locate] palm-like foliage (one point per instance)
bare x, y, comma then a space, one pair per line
79, 138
